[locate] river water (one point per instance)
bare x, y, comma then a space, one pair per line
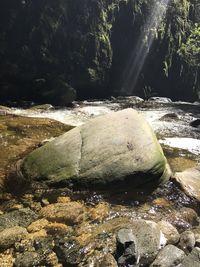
170, 120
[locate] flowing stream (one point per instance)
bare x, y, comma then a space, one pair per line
170, 120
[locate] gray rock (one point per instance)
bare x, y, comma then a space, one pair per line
149, 240
160, 99
126, 247
193, 259
169, 256
187, 241
11, 235
170, 232
189, 180
109, 148
21, 217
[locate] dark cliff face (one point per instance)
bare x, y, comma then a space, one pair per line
50, 50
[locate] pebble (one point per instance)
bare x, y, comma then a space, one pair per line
9, 236
99, 212
35, 235
21, 217
28, 259
6, 259
57, 228
70, 213
37, 225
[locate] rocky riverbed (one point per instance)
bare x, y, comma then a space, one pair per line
42, 226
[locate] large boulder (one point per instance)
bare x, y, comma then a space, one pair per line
117, 146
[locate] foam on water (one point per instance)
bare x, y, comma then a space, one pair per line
190, 144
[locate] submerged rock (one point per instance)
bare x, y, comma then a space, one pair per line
160, 99
69, 213
189, 180
21, 217
11, 235
170, 256
109, 148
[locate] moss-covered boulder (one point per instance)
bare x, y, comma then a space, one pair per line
114, 147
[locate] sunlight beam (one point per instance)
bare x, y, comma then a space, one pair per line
144, 43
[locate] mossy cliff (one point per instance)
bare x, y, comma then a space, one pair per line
51, 50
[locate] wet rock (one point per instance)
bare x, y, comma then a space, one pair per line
37, 225
193, 259
70, 213
68, 252
170, 232
44, 245
169, 117
21, 217
11, 235
58, 228
39, 234
149, 240
160, 99
44, 107
105, 149
189, 180
169, 256
28, 259
127, 247
6, 259
99, 212
195, 123
187, 241
183, 219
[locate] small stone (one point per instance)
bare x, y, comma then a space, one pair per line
35, 235
55, 228
161, 202
9, 236
187, 241
28, 259
52, 259
16, 207
169, 231
63, 199
6, 259
99, 212
69, 213
193, 259
45, 202
21, 217
169, 256
37, 225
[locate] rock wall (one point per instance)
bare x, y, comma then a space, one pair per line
52, 50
